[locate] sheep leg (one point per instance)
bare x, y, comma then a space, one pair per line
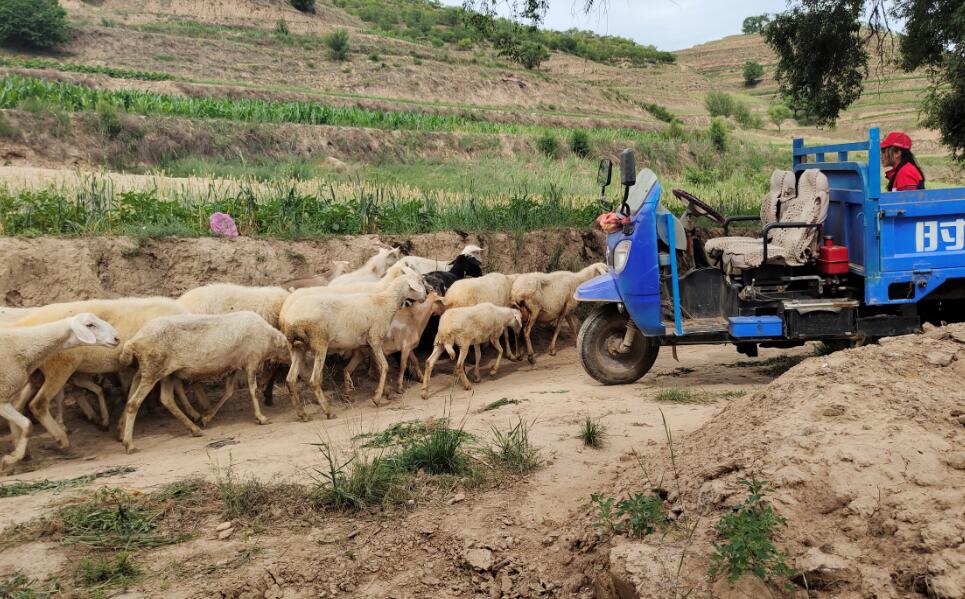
475, 373
383, 365
571, 320
414, 369
144, 385
405, 358
461, 368
253, 390
347, 385
40, 404
183, 400
229, 390
292, 381
556, 333
499, 355
527, 334
135, 382
315, 382
509, 348
271, 373
167, 400
20, 430
430, 362
84, 381
26, 393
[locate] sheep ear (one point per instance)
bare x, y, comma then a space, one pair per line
415, 284
82, 332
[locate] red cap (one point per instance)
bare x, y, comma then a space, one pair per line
897, 139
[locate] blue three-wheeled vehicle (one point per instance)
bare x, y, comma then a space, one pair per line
844, 263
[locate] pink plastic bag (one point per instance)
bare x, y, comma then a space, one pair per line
222, 224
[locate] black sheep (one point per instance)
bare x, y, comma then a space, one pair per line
460, 268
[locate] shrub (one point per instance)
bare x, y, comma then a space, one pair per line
108, 123
659, 112
7, 129
531, 55
637, 516
745, 118
674, 131
718, 134
549, 145
719, 103
749, 533
338, 45
778, 113
32, 23
753, 72
465, 44
281, 27
304, 5
580, 143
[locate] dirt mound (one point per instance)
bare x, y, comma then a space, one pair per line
865, 452
43, 270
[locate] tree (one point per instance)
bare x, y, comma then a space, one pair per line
753, 72
778, 113
531, 54
32, 23
755, 24
338, 47
304, 5
823, 56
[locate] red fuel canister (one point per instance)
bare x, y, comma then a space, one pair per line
832, 259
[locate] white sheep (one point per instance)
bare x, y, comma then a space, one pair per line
371, 271
548, 297
13, 314
127, 315
494, 288
196, 346
24, 349
427, 265
339, 267
403, 337
469, 327
337, 322
224, 298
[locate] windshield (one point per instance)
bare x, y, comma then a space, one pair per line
646, 179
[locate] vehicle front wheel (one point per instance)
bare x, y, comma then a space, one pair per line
599, 342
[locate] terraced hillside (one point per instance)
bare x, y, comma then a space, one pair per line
419, 106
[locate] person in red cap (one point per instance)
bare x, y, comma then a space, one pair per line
903, 172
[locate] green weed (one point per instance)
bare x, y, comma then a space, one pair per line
403, 433
112, 519
242, 499
16, 488
440, 451
592, 432
112, 571
338, 45
495, 405
512, 450
18, 585
549, 146
70, 67
637, 516
680, 395
748, 535
357, 482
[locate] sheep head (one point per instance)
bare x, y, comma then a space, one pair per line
88, 329
517, 323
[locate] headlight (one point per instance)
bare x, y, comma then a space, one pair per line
620, 255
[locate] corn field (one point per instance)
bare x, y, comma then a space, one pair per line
16, 89
289, 210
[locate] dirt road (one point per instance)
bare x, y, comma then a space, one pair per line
555, 394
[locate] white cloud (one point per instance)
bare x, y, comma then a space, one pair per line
667, 24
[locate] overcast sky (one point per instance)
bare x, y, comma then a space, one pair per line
667, 24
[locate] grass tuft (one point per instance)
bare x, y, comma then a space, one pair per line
357, 482
680, 395
112, 571
112, 519
18, 585
592, 433
512, 450
440, 451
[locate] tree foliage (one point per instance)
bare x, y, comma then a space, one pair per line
32, 23
304, 5
753, 72
823, 56
778, 113
755, 24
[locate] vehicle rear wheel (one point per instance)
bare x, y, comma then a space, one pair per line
598, 345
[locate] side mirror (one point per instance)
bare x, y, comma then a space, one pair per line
628, 168
605, 174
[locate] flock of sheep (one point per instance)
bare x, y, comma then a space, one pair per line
231, 332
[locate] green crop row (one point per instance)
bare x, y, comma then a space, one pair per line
72, 67
282, 211
15, 90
